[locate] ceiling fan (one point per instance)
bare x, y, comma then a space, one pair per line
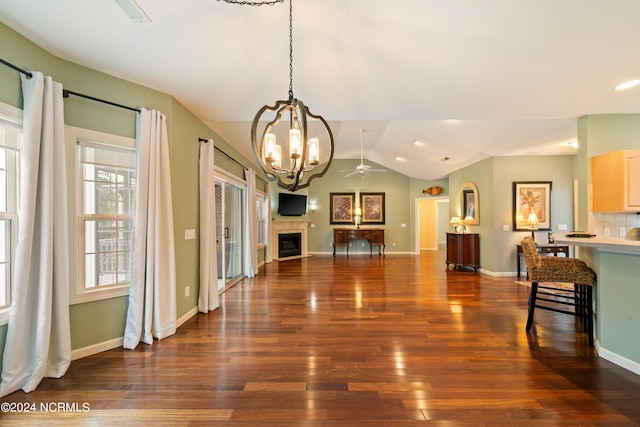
362, 168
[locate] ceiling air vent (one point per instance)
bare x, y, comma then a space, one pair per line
133, 10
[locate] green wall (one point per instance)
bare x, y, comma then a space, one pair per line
617, 290
101, 321
494, 178
400, 194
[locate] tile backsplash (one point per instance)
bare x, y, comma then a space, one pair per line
603, 223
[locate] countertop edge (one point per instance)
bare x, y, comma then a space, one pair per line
607, 244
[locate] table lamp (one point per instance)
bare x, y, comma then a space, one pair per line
457, 222
532, 222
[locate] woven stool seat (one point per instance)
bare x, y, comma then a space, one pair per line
544, 271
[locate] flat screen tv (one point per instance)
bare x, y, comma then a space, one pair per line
292, 204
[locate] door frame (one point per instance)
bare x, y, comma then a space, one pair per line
443, 199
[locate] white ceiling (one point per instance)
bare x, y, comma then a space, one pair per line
469, 78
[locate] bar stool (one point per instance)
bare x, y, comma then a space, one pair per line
544, 271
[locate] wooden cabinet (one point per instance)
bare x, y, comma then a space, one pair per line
463, 250
343, 236
340, 237
615, 179
377, 237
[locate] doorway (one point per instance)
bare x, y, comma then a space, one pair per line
432, 223
229, 232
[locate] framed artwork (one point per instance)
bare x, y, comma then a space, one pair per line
372, 206
342, 206
531, 197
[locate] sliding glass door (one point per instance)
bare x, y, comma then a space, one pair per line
229, 232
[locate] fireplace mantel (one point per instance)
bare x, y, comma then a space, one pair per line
289, 226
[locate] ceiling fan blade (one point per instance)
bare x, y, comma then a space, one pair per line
352, 173
377, 170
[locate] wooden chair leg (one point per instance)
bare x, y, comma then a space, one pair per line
579, 301
532, 304
590, 314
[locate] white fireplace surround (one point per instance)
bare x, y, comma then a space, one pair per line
289, 226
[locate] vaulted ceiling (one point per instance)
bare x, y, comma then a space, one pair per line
470, 79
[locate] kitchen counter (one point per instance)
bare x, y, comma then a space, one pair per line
616, 262
607, 244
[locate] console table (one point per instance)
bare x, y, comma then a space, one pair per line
344, 236
463, 249
543, 249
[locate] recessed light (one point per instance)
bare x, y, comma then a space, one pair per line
628, 85
400, 159
445, 159
417, 142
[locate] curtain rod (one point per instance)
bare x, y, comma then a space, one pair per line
229, 157
66, 93
20, 70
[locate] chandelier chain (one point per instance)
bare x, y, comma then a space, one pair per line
290, 49
271, 3
252, 3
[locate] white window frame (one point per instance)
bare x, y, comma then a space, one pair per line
12, 115
77, 292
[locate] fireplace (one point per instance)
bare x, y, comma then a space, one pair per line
289, 244
289, 227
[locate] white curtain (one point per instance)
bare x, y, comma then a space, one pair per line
251, 236
208, 299
38, 342
268, 256
152, 295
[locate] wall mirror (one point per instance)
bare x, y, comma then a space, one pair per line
469, 200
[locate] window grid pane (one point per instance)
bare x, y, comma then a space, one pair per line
10, 138
107, 192
5, 261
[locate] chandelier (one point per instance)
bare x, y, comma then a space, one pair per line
289, 129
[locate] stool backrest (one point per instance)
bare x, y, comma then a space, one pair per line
530, 253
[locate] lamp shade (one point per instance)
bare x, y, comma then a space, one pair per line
455, 220
532, 220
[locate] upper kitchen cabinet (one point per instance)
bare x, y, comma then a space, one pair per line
616, 181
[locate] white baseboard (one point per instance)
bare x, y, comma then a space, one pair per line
119, 342
499, 273
97, 348
618, 360
188, 315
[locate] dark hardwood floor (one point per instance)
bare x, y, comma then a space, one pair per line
357, 341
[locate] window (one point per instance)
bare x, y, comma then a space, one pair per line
105, 196
10, 139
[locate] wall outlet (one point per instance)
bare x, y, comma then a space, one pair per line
403, 225
187, 291
394, 244
189, 234
313, 226
505, 227
607, 231
562, 227
623, 231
